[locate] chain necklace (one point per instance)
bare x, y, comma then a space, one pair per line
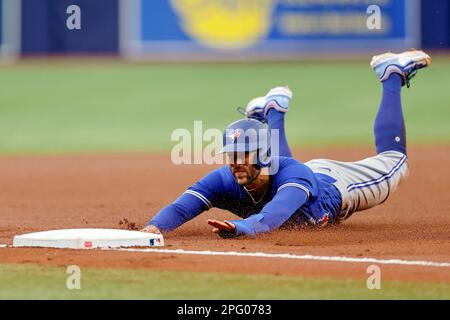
262, 197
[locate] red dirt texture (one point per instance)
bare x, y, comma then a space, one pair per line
124, 191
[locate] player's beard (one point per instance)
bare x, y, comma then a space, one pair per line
246, 175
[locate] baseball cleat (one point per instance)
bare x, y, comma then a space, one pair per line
278, 98
255, 109
406, 64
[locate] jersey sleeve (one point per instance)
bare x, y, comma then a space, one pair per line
297, 175
283, 205
195, 200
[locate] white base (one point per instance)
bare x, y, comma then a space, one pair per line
88, 239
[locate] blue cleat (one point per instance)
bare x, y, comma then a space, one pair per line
406, 64
278, 98
255, 109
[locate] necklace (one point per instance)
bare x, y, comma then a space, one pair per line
262, 197
261, 185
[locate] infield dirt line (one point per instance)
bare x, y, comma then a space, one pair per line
292, 256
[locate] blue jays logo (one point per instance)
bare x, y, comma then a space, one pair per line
235, 135
324, 221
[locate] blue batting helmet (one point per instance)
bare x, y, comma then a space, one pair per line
248, 135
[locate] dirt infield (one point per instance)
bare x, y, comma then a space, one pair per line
119, 191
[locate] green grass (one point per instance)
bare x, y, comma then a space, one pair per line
55, 107
27, 281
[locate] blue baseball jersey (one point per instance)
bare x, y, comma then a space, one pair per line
296, 196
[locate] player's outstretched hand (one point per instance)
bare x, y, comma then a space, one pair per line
151, 229
225, 229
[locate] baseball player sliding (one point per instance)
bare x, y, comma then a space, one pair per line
270, 191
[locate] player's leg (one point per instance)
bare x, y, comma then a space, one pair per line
271, 109
389, 127
384, 172
275, 120
394, 71
369, 182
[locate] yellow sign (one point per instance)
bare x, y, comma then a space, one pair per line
225, 24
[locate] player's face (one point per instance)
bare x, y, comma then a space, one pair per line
244, 167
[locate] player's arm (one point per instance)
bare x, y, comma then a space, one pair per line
283, 205
191, 203
185, 208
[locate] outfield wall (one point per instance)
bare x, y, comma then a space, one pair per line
222, 29
10, 26
283, 28
435, 16
45, 31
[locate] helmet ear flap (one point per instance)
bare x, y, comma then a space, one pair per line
264, 150
264, 157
